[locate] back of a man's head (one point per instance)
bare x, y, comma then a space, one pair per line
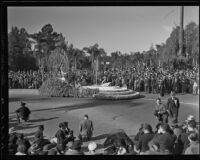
41, 127
21, 148
165, 127
192, 124
86, 116
193, 137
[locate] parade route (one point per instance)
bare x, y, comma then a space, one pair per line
106, 115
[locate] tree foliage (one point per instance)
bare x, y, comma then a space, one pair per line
19, 50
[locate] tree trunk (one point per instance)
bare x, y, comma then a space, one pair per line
75, 63
97, 68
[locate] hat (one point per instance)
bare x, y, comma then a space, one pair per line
190, 118
92, 146
12, 130
23, 103
147, 127
76, 145
172, 93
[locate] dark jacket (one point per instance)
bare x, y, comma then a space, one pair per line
23, 112
60, 135
143, 142
173, 105
86, 128
165, 142
39, 134
12, 146
24, 142
185, 140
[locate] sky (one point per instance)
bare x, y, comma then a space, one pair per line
125, 29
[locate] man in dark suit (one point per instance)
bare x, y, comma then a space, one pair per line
144, 139
85, 129
23, 112
162, 87
153, 85
162, 143
62, 140
161, 111
173, 107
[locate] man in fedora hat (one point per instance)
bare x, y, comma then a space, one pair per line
23, 112
173, 107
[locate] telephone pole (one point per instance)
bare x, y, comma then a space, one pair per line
180, 53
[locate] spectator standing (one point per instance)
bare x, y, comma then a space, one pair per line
62, 140
173, 106
161, 111
85, 129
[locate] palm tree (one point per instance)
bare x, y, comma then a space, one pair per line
95, 54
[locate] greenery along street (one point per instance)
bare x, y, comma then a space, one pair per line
49, 50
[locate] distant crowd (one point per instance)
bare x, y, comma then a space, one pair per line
149, 80
153, 80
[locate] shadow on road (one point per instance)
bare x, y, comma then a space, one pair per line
26, 125
13, 123
32, 98
99, 137
14, 99
42, 119
92, 103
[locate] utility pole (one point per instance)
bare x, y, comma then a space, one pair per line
180, 53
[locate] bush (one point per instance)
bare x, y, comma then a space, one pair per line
54, 87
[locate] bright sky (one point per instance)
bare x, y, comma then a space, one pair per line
114, 28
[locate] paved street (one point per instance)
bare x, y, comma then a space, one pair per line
106, 115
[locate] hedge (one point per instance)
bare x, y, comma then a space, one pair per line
54, 87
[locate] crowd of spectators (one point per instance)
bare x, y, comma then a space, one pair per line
25, 79
143, 79
165, 139
151, 80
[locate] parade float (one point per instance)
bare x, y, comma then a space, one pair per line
105, 91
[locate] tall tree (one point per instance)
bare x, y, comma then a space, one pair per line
46, 40
95, 53
19, 47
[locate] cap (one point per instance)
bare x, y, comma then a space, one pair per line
23, 103
92, 146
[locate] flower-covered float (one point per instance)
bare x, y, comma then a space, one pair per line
112, 92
